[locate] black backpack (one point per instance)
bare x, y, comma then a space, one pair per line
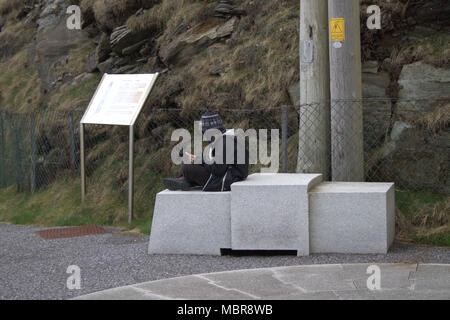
224, 175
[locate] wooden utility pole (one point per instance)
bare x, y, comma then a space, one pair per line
314, 127
347, 158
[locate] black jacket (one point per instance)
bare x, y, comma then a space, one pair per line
224, 174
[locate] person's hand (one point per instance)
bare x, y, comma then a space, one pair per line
191, 157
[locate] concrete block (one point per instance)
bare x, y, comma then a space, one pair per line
191, 222
271, 212
349, 217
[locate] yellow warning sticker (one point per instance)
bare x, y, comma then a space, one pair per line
337, 29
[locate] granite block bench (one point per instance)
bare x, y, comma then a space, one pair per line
191, 222
271, 212
276, 212
352, 217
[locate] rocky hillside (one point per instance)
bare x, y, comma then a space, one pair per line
236, 54
230, 54
218, 55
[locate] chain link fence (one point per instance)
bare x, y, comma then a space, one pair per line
373, 140
377, 140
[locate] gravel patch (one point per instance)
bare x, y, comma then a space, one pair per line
34, 268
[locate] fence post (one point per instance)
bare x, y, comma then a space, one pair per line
82, 164
72, 146
33, 153
3, 149
284, 136
18, 157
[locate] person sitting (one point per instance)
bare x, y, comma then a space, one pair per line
213, 174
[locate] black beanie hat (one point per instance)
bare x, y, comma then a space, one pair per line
211, 120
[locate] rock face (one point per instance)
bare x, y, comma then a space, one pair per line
226, 9
124, 51
434, 12
416, 158
370, 67
416, 155
106, 66
100, 54
421, 81
103, 48
76, 81
122, 38
195, 40
398, 129
53, 39
294, 94
377, 112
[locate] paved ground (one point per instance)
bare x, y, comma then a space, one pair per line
33, 268
330, 282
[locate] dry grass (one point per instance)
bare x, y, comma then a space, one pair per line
86, 5
170, 15
437, 120
19, 79
15, 36
433, 50
75, 97
75, 62
7, 6
428, 221
434, 121
20, 84
408, 55
259, 62
422, 214
113, 13
435, 215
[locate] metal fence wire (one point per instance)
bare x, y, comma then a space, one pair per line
373, 140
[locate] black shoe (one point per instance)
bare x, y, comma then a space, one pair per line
174, 184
